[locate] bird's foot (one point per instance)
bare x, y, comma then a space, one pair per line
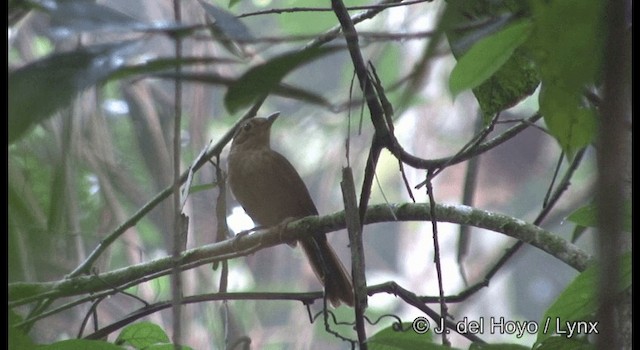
242, 234
282, 228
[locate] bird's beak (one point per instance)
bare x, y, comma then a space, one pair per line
272, 118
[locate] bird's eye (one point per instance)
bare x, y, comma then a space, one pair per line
247, 127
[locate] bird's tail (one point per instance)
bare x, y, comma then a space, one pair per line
330, 270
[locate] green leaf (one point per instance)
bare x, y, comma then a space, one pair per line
567, 43
514, 81
587, 216
565, 343
478, 346
166, 347
468, 22
260, 80
487, 56
577, 233
141, 335
573, 126
567, 40
391, 339
578, 302
41, 88
17, 339
80, 344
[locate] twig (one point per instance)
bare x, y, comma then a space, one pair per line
471, 152
545, 201
468, 193
444, 313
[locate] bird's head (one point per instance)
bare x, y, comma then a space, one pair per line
254, 133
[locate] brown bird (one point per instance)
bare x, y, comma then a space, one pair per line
270, 190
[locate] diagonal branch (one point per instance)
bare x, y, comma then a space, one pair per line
86, 265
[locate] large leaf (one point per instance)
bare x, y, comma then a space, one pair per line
567, 43
573, 125
392, 339
80, 344
226, 22
41, 88
487, 56
513, 82
578, 302
506, 72
141, 335
228, 29
567, 40
587, 216
262, 79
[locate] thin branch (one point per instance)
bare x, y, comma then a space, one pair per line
444, 313
382, 6
468, 194
553, 180
471, 152
415, 301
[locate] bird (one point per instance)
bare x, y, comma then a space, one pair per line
272, 193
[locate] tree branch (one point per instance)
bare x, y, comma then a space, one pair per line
21, 293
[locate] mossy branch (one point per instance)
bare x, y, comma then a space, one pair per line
21, 293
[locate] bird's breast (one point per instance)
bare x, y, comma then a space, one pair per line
268, 187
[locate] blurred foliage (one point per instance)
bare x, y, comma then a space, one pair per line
90, 115
578, 303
